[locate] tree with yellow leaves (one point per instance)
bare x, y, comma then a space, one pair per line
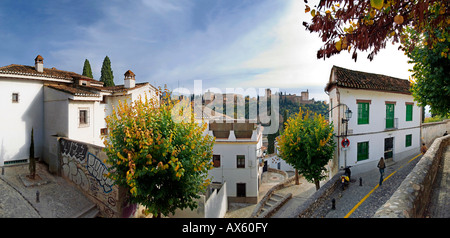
162, 162
307, 144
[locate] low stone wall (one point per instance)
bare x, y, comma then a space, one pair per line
432, 130
413, 195
315, 201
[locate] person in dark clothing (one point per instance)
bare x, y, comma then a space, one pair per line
381, 166
423, 149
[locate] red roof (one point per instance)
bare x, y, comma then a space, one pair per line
17, 69
76, 91
347, 78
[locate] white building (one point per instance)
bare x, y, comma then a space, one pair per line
55, 103
236, 158
385, 119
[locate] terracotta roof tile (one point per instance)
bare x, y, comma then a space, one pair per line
76, 91
50, 73
361, 80
118, 88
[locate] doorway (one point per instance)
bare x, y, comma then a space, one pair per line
389, 148
240, 190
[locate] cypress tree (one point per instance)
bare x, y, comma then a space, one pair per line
87, 69
32, 164
107, 76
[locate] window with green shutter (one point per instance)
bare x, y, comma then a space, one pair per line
389, 115
409, 112
363, 113
363, 151
408, 140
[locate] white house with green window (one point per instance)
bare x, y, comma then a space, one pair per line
385, 120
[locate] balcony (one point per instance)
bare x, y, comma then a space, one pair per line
391, 123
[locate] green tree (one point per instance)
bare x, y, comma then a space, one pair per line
430, 81
87, 69
107, 76
307, 144
163, 162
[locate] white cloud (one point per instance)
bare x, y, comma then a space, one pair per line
291, 62
161, 6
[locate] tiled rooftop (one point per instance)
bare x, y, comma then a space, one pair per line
76, 91
50, 73
347, 78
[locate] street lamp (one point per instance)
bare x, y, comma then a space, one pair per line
348, 115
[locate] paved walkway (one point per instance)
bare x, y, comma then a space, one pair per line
57, 197
440, 198
299, 192
363, 201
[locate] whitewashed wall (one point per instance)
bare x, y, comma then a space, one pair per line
18, 118
375, 132
228, 171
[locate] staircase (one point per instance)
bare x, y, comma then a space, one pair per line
90, 212
272, 204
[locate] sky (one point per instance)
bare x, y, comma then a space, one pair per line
224, 43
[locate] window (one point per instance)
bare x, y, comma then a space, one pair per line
363, 151
104, 131
408, 140
409, 111
216, 161
84, 117
15, 97
240, 161
390, 115
240, 190
363, 113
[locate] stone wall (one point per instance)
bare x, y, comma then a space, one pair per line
433, 130
82, 164
413, 195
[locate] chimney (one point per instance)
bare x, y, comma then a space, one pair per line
39, 64
130, 81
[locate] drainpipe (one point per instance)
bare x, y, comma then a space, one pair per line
338, 97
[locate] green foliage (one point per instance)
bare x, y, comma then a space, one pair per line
107, 76
307, 144
87, 69
164, 163
435, 119
431, 70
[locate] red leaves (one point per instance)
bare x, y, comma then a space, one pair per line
376, 21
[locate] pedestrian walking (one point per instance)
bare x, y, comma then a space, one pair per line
423, 149
381, 166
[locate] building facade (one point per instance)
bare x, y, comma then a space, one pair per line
55, 103
236, 158
385, 121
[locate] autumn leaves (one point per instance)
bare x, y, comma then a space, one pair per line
163, 163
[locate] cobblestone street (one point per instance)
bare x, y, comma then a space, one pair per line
347, 200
